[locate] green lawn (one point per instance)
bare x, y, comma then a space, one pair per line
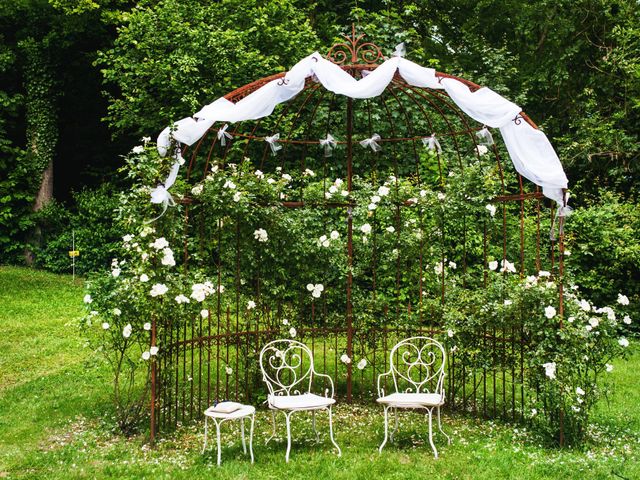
56, 422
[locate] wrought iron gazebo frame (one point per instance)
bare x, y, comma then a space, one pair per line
176, 396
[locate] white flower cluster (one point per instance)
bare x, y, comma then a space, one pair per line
492, 209
167, 257
158, 289
316, 290
159, 244
197, 190
336, 188
182, 299
149, 353
623, 299
261, 235
345, 359
115, 268
550, 370
507, 266
440, 267
200, 291
325, 241
482, 150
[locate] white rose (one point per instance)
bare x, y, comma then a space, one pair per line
550, 369
105, 326
87, 298
147, 326
144, 278
146, 355
549, 312
153, 350
493, 265
482, 150
158, 289
366, 228
334, 235
345, 358
623, 299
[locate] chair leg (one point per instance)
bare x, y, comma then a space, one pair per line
204, 447
288, 420
395, 428
218, 438
331, 433
435, 452
313, 421
440, 428
273, 418
244, 443
253, 418
386, 429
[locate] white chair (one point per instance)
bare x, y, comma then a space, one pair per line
287, 369
416, 366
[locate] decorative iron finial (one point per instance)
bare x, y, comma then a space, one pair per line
354, 52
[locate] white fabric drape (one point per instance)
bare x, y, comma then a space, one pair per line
531, 153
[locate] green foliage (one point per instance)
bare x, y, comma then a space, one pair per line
93, 223
173, 57
605, 253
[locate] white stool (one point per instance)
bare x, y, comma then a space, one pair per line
240, 414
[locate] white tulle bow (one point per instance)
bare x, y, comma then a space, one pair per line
432, 143
273, 142
223, 135
372, 142
329, 144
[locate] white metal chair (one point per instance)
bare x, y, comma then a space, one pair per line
416, 366
287, 369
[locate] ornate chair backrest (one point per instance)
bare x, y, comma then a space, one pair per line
417, 365
287, 367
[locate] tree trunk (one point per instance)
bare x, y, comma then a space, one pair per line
42, 127
45, 192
